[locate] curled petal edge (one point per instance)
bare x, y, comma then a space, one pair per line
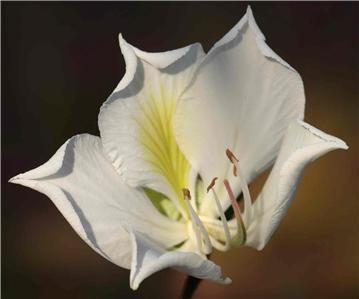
149, 258
88, 192
302, 144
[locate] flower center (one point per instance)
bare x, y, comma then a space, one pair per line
203, 239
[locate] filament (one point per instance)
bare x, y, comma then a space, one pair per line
237, 171
221, 212
198, 226
241, 234
233, 200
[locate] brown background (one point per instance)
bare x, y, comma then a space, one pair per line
59, 63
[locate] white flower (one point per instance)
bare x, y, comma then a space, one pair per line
165, 133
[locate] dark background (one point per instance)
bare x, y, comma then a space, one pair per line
60, 61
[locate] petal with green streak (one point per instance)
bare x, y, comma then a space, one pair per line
136, 122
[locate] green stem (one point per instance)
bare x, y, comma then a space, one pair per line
190, 287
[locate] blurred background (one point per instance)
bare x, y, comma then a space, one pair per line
60, 61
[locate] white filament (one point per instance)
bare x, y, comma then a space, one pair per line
198, 227
246, 195
224, 221
195, 228
237, 212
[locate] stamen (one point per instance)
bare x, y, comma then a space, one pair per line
197, 226
187, 198
237, 211
221, 212
243, 183
233, 160
240, 225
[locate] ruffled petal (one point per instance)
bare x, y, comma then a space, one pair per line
243, 98
149, 258
302, 144
87, 190
136, 121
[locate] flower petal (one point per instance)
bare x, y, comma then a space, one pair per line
136, 120
243, 98
302, 144
149, 258
90, 194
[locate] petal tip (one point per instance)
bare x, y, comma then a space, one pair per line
253, 24
227, 280
121, 39
340, 144
13, 179
122, 42
16, 178
134, 286
249, 12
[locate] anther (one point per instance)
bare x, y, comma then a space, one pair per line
186, 193
211, 184
233, 160
221, 212
231, 156
197, 225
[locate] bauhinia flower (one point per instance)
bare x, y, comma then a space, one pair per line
182, 136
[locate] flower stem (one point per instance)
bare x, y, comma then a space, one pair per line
190, 287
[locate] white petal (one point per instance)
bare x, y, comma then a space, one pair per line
243, 98
150, 258
302, 144
136, 121
87, 190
